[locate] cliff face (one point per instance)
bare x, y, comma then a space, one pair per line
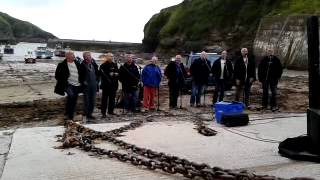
232, 24
288, 36
12, 29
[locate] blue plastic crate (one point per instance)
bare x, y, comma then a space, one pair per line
227, 108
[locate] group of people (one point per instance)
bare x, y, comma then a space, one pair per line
241, 73
75, 76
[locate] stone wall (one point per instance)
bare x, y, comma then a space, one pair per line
288, 36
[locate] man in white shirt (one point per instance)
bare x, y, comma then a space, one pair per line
222, 71
69, 80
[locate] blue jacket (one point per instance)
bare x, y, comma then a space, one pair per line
151, 75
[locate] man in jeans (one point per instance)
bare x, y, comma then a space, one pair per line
69, 79
90, 84
129, 77
199, 71
269, 73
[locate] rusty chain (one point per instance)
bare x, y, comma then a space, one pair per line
77, 135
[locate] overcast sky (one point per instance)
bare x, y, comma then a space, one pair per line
115, 20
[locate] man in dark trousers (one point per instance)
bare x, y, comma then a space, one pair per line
109, 75
90, 84
222, 71
175, 73
269, 73
69, 80
129, 77
199, 71
244, 75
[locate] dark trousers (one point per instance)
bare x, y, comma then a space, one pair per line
108, 100
244, 89
219, 90
72, 97
130, 100
197, 90
89, 95
174, 91
265, 93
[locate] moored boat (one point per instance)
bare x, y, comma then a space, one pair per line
43, 53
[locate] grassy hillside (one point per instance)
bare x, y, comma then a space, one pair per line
12, 29
194, 24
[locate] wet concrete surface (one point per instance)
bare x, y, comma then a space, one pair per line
32, 155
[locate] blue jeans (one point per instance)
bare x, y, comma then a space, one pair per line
197, 90
72, 97
89, 95
130, 100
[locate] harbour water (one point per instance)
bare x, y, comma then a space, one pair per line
21, 49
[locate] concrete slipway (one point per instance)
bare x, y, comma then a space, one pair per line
29, 153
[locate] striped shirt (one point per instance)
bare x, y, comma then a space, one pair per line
73, 77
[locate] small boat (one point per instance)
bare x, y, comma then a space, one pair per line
8, 49
60, 52
29, 58
43, 53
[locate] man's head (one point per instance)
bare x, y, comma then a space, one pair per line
107, 57
224, 54
203, 55
154, 60
70, 56
244, 52
129, 58
270, 52
87, 56
178, 59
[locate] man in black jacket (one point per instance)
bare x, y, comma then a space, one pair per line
90, 83
69, 80
269, 73
175, 73
199, 71
244, 75
222, 71
109, 74
129, 77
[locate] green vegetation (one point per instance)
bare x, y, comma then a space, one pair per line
12, 29
192, 24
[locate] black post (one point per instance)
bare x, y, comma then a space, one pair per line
314, 83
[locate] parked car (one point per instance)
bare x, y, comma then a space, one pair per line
29, 58
212, 57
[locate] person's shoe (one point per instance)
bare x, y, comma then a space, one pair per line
144, 110
103, 116
191, 105
274, 109
112, 113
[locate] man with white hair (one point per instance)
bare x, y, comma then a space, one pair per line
90, 84
269, 73
151, 78
175, 73
244, 75
199, 71
69, 80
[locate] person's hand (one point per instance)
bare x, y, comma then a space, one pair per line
237, 82
251, 80
210, 74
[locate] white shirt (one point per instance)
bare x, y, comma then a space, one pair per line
245, 60
223, 63
73, 77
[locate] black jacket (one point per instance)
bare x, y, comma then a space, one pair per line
62, 74
228, 70
172, 74
241, 72
200, 70
270, 69
109, 75
129, 77
84, 71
